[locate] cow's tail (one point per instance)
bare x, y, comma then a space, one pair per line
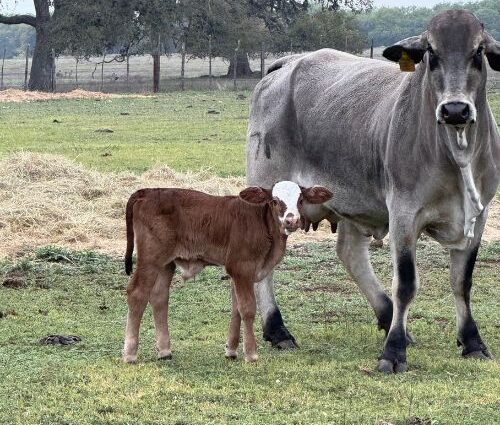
281, 62
129, 219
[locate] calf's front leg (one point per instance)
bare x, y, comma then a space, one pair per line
233, 338
247, 307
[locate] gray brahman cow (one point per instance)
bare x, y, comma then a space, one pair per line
408, 153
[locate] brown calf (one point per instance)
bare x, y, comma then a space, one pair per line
175, 227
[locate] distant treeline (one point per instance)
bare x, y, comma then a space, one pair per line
14, 39
387, 25
319, 28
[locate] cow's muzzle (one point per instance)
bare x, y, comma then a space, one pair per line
456, 113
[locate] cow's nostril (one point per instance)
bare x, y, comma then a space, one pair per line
466, 112
446, 114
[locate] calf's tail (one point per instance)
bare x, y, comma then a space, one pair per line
129, 219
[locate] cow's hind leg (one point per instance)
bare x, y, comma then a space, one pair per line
138, 292
233, 338
404, 289
274, 330
353, 250
462, 266
159, 302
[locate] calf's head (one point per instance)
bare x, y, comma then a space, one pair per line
286, 200
453, 50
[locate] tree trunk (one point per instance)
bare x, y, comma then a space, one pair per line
243, 66
43, 62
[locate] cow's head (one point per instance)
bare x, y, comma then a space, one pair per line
286, 200
453, 50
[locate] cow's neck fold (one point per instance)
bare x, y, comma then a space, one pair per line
462, 146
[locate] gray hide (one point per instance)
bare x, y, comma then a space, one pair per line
370, 134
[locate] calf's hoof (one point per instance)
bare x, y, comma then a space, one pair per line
251, 358
129, 359
230, 354
164, 355
390, 366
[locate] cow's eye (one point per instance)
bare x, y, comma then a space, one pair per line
433, 58
478, 58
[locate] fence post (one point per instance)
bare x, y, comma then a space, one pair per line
53, 76
371, 50
262, 62
76, 71
3, 63
156, 67
235, 70
128, 66
210, 61
26, 69
102, 68
291, 47
183, 63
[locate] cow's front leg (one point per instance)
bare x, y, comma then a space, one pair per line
404, 288
274, 329
462, 266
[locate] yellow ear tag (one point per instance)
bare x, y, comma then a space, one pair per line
406, 64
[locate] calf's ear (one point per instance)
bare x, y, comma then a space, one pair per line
410, 49
316, 194
256, 195
492, 50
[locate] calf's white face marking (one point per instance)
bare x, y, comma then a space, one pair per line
288, 193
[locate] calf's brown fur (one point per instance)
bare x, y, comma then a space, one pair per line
190, 229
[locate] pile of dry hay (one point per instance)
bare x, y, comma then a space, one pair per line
47, 199
14, 95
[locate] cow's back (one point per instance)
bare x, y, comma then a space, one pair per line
322, 118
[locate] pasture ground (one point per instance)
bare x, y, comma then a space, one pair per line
57, 290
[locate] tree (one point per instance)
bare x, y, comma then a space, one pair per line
327, 28
42, 64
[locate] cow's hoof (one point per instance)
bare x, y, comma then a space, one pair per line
287, 344
165, 357
388, 366
480, 354
129, 359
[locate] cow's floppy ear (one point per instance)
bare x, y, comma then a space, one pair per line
316, 194
492, 50
414, 47
256, 195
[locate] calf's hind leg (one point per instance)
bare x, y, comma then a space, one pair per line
159, 302
138, 292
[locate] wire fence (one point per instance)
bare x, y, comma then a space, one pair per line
135, 73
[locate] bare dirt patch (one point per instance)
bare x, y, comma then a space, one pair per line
14, 95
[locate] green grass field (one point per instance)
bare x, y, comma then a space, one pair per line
330, 380
176, 129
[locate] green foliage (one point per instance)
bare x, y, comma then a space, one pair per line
387, 25
337, 30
